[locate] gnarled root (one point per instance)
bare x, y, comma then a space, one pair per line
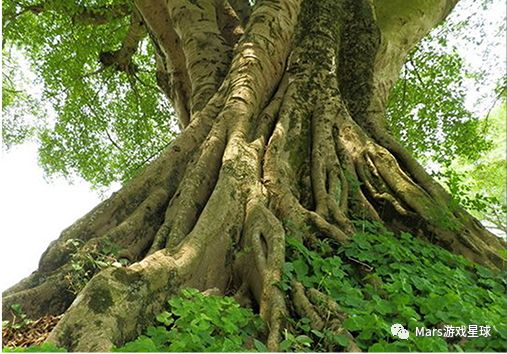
323, 312
264, 236
331, 311
117, 303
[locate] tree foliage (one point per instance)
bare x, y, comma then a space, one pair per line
110, 121
402, 280
481, 184
23, 113
427, 108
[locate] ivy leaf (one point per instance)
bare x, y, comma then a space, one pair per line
353, 324
304, 340
317, 333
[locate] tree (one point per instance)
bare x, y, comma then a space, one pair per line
281, 108
482, 186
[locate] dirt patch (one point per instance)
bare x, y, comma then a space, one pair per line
34, 333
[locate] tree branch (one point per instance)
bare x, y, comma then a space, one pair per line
172, 74
122, 58
229, 23
207, 53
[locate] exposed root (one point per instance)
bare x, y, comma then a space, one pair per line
304, 307
196, 188
399, 182
135, 234
378, 192
415, 170
334, 316
193, 193
292, 210
166, 171
326, 305
102, 314
327, 229
265, 235
455, 231
323, 312
243, 295
50, 297
319, 157
358, 204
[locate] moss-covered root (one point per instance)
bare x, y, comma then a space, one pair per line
322, 311
264, 241
116, 304
329, 309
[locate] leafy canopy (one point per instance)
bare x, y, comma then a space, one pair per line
108, 123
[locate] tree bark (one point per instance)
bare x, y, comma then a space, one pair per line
282, 109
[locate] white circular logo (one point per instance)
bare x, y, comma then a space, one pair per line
398, 330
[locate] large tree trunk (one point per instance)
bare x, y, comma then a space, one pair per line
282, 109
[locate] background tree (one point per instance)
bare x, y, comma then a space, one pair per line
441, 109
281, 107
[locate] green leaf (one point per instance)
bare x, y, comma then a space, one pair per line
101, 264
378, 347
165, 318
160, 335
260, 346
17, 309
317, 333
352, 324
342, 340
304, 340
142, 344
285, 345
301, 268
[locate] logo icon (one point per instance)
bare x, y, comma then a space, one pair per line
398, 330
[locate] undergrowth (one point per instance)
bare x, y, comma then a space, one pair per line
19, 318
380, 279
194, 322
43, 348
377, 280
